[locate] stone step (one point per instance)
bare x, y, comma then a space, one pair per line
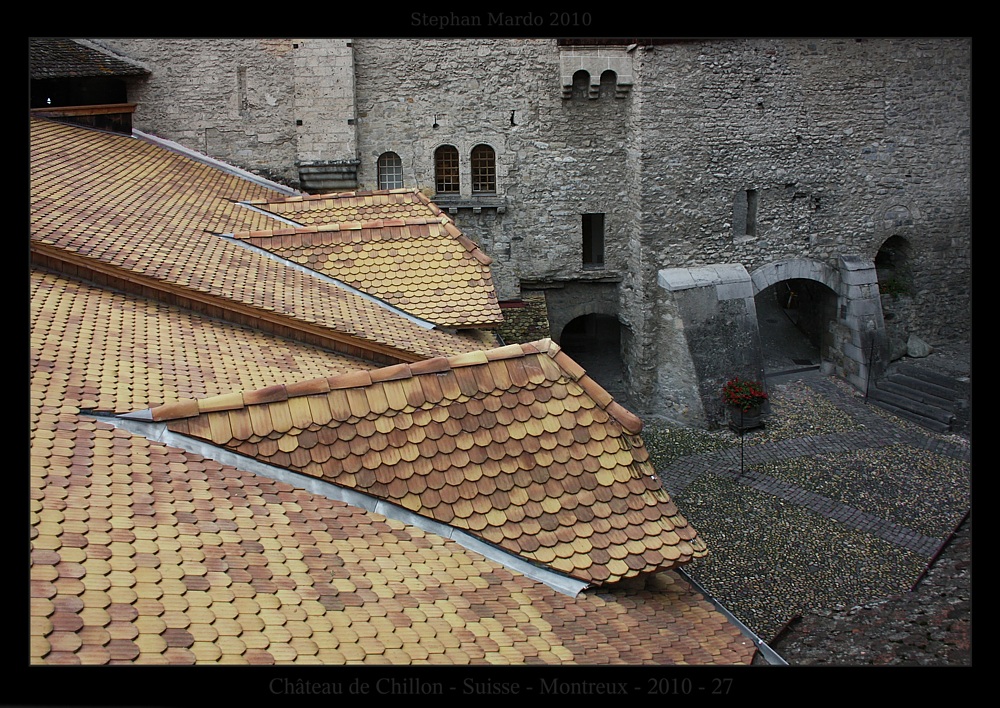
913, 405
923, 373
920, 395
921, 420
930, 398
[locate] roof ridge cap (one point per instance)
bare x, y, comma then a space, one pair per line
627, 419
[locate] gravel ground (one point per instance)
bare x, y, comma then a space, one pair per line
817, 544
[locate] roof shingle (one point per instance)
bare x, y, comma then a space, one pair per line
60, 57
144, 553
396, 245
117, 204
504, 443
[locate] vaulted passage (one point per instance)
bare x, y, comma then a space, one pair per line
594, 342
793, 317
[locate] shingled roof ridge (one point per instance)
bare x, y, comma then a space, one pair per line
629, 421
190, 407
186, 408
471, 246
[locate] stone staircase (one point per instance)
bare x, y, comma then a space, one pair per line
933, 399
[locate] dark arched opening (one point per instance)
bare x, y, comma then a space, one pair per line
609, 82
793, 317
892, 265
594, 342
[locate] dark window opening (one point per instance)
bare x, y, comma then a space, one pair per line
752, 202
609, 83
745, 207
484, 170
446, 170
581, 84
593, 240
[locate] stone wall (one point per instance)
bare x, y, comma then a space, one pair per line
557, 158
526, 320
711, 335
261, 104
739, 151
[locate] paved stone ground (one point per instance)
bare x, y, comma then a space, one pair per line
822, 525
929, 625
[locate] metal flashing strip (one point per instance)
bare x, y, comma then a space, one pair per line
770, 655
276, 217
424, 324
140, 424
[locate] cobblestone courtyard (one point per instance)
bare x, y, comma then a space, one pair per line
822, 523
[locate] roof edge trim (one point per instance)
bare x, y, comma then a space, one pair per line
158, 432
205, 159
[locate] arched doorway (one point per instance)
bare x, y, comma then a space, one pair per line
895, 284
793, 317
594, 342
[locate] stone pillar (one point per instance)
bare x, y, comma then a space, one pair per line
707, 334
863, 342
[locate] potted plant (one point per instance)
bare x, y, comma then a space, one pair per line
744, 399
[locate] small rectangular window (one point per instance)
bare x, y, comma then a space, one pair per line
745, 214
752, 200
593, 240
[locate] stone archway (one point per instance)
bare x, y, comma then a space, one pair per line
793, 317
845, 315
594, 341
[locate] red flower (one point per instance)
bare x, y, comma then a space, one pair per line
743, 394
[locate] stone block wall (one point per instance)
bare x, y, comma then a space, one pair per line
526, 320
557, 158
829, 137
264, 105
711, 335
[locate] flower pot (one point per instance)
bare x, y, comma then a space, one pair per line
741, 420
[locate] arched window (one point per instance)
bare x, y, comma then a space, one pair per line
446, 170
581, 84
484, 170
609, 83
390, 171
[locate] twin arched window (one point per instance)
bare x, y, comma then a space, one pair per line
483, 162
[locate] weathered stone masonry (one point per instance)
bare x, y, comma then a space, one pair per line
802, 154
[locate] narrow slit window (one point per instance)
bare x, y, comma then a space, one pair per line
745, 206
593, 240
752, 201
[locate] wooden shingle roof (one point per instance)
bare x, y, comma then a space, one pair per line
116, 204
396, 245
61, 57
146, 553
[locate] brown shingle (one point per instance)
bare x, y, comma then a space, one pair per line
422, 264
595, 467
